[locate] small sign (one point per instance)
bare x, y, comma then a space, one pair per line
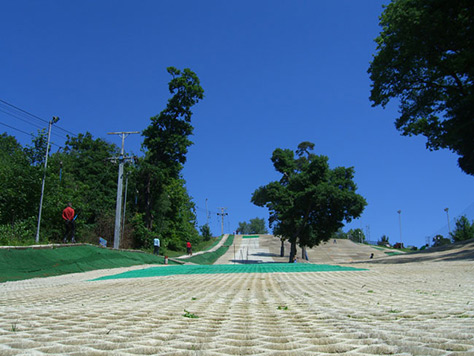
102, 242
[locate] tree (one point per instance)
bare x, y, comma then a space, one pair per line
87, 170
255, 226
243, 228
464, 230
164, 199
206, 232
339, 234
425, 58
36, 152
310, 201
383, 241
356, 235
20, 182
167, 137
440, 240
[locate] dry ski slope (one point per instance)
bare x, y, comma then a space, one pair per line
420, 305
266, 248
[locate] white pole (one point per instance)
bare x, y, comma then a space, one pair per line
400, 223
53, 121
118, 207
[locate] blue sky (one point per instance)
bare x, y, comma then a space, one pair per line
275, 73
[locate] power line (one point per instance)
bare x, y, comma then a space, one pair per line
26, 133
14, 128
19, 118
28, 115
24, 111
38, 127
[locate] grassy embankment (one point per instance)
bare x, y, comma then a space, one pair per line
211, 257
19, 264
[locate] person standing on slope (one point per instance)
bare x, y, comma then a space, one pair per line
156, 246
68, 216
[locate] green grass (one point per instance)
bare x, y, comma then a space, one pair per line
201, 246
18, 264
210, 257
393, 253
190, 315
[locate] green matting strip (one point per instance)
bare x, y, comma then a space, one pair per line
213, 269
250, 237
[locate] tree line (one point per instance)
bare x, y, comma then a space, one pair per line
84, 174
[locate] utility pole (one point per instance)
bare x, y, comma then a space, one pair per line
53, 121
222, 214
118, 207
125, 202
207, 215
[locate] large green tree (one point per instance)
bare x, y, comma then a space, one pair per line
425, 58
167, 207
311, 201
167, 137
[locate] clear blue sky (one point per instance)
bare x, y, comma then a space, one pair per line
275, 73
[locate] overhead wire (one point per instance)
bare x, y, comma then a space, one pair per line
21, 119
26, 133
30, 123
14, 128
24, 111
26, 116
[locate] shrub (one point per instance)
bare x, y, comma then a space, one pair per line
21, 233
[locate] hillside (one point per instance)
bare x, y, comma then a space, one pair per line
266, 248
25, 263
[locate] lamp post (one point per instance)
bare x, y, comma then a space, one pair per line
53, 121
447, 215
400, 223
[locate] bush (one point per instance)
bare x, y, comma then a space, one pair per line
383, 241
143, 238
206, 232
464, 230
21, 233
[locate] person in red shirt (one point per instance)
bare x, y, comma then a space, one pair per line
188, 247
68, 216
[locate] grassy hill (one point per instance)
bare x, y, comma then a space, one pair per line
17, 264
